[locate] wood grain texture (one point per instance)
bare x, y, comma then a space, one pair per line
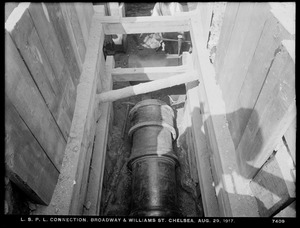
290, 139
9, 7
131, 25
225, 36
69, 193
146, 73
195, 125
273, 113
26, 162
274, 185
74, 31
62, 32
235, 50
288, 212
30, 46
234, 196
273, 33
94, 189
26, 97
146, 87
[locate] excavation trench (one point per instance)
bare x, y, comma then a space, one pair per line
118, 193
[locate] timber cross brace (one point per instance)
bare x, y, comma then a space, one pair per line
74, 194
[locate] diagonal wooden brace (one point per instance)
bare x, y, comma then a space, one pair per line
147, 87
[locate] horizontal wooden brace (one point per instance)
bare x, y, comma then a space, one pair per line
134, 25
146, 73
146, 87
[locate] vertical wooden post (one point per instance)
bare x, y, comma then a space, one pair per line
202, 153
94, 188
234, 195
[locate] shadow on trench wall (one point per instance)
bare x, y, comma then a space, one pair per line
243, 160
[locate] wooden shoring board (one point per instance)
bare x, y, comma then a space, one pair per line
26, 163
26, 97
225, 36
146, 73
273, 113
133, 25
26, 37
62, 30
274, 186
290, 139
202, 154
257, 71
74, 31
233, 192
84, 12
69, 187
31, 109
50, 43
94, 189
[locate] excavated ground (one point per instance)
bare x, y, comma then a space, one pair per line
116, 192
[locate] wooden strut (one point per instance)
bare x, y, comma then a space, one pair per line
147, 87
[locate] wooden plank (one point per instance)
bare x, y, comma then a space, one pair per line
249, 41
274, 185
240, 30
22, 91
69, 191
93, 196
132, 25
74, 31
28, 42
89, 14
146, 73
225, 36
27, 164
48, 38
79, 7
290, 139
208, 194
205, 10
233, 192
99, 9
273, 33
273, 113
286, 15
146, 87
9, 7
50, 43
55, 14
288, 212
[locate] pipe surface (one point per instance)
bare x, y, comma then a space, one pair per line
153, 161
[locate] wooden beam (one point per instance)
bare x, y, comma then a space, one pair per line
147, 87
274, 111
289, 211
257, 72
63, 33
26, 97
26, 163
202, 153
146, 73
274, 186
233, 192
69, 192
133, 25
94, 189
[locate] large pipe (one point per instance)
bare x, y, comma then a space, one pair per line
153, 161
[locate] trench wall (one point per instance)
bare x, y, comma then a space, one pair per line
45, 46
255, 69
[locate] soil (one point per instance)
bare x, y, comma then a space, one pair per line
116, 193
